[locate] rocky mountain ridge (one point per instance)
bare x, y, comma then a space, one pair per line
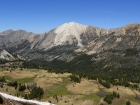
68, 33
68, 40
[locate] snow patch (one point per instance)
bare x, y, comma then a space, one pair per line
24, 100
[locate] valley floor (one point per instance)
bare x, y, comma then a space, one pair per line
87, 92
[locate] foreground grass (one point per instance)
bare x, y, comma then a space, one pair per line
58, 89
93, 97
25, 79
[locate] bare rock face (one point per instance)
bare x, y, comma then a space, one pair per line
68, 31
4, 55
12, 38
92, 33
116, 39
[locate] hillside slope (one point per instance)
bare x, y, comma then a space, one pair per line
4, 55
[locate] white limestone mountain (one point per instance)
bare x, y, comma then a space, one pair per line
68, 33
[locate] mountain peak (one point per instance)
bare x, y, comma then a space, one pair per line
73, 23
67, 31
6, 32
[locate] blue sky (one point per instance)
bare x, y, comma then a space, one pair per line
39, 16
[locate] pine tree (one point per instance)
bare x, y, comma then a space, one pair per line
128, 103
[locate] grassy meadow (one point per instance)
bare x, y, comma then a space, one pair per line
87, 92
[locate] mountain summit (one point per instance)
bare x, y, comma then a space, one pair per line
68, 32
